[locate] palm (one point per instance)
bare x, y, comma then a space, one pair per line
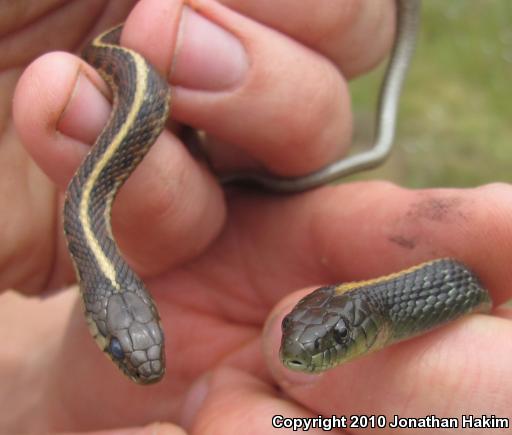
213, 309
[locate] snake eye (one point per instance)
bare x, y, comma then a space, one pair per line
115, 349
285, 324
340, 332
318, 343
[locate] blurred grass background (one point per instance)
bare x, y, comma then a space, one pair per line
455, 121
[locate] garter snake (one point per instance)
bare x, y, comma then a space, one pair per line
119, 310
338, 323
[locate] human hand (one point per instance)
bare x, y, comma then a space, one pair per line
214, 275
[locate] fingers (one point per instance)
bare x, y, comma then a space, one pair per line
28, 32
226, 400
365, 230
59, 109
280, 103
27, 220
242, 99
247, 85
393, 228
354, 34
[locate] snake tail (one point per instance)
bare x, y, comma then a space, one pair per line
336, 324
119, 310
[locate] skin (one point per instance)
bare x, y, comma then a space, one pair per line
224, 268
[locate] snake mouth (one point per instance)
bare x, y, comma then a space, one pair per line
297, 365
146, 380
142, 376
295, 357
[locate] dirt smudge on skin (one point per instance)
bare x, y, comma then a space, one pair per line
404, 242
436, 209
439, 209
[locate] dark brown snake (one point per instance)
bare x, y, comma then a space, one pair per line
121, 315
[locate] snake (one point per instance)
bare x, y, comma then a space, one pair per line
327, 327
120, 313
336, 324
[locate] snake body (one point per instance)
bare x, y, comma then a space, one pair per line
120, 312
335, 324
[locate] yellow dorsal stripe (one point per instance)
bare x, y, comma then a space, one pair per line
140, 88
345, 287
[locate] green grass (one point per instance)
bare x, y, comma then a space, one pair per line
455, 122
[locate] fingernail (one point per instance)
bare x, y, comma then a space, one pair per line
85, 112
207, 56
157, 428
194, 400
162, 429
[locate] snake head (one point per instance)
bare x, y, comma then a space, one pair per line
129, 332
135, 338
326, 329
